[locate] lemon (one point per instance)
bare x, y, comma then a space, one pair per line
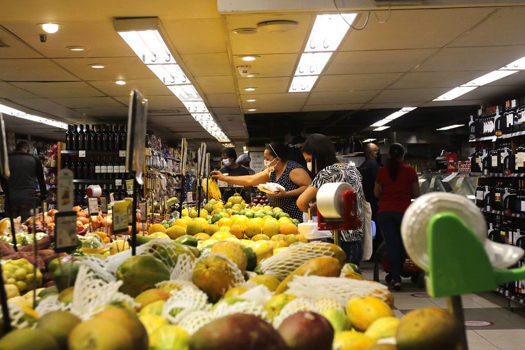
362, 312
384, 327
352, 340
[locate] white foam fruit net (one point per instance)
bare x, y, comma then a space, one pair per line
258, 294
176, 285
195, 320
91, 293
163, 249
338, 289
17, 317
296, 305
238, 277
287, 261
184, 301
101, 267
51, 303
183, 268
241, 306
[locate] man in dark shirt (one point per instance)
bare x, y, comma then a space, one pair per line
369, 171
25, 171
231, 168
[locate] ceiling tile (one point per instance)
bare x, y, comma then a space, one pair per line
216, 84
410, 29
99, 38
59, 89
222, 100
226, 110
276, 109
262, 42
504, 27
355, 82
385, 61
265, 85
207, 35
453, 103
332, 107
375, 105
408, 95
87, 102
149, 87
282, 65
15, 48
33, 70
115, 68
106, 111
207, 64
434, 79
11, 91
486, 58
276, 100
43, 107
323, 98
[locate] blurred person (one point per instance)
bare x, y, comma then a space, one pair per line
230, 167
321, 160
25, 170
244, 161
279, 169
396, 184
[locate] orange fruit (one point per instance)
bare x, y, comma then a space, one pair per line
237, 230
225, 222
288, 228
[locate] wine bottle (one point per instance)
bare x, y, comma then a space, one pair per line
110, 169
89, 138
100, 140
97, 169
81, 138
76, 139
69, 137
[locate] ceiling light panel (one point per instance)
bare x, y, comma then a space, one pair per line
328, 31
381, 128
455, 93
34, 118
303, 83
490, 77
143, 37
312, 63
393, 116
449, 127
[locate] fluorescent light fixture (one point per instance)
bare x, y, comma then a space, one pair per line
455, 93
23, 115
98, 66
490, 77
120, 82
369, 140
249, 58
143, 37
519, 64
244, 149
312, 63
328, 31
169, 74
252, 109
250, 89
50, 28
76, 48
303, 83
251, 100
381, 128
250, 76
185, 93
229, 144
453, 126
393, 116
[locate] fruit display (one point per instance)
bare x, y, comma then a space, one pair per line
233, 276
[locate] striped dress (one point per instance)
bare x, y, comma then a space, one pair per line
288, 204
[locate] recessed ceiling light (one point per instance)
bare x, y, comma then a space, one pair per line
246, 30
50, 28
252, 109
249, 58
97, 66
251, 100
279, 25
120, 82
250, 75
76, 48
250, 89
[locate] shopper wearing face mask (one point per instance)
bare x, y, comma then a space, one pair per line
230, 167
279, 169
321, 160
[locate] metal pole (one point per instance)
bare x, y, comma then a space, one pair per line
134, 218
10, 210
3, 301
455, 307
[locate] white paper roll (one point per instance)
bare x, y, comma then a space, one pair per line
330, 199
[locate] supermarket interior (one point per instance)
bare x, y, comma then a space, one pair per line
262, 175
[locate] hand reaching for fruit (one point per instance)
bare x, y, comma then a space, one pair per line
216, 174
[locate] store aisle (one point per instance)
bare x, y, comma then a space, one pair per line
493, 325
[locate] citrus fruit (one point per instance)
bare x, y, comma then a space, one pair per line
287, 228
352, 340
202, 236
270, 228
363, 311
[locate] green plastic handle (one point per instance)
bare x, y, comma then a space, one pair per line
503, 276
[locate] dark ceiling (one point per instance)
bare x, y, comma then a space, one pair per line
294, 126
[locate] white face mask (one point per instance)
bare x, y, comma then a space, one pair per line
226, 162
268, 164
309, 166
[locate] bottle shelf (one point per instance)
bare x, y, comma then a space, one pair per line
95, 181
499, 212
94, 153
493, 138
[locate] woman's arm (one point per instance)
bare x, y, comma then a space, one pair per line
299, 177
415, 189
246, 180
303, 202
378, 189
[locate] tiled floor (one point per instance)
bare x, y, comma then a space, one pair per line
505, 329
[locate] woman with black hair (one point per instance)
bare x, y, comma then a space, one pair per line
321, 160
279, 169
395, 186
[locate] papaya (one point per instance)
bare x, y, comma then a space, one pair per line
233, 251
322, 266
140, 273
187, 240
143, 239
252, 258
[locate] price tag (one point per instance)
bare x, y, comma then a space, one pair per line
82, 154
122, 153
93, 206
189, 197
111, 199
104, 205
129, 187
65, 231
65, 190
120, 217
118, 182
